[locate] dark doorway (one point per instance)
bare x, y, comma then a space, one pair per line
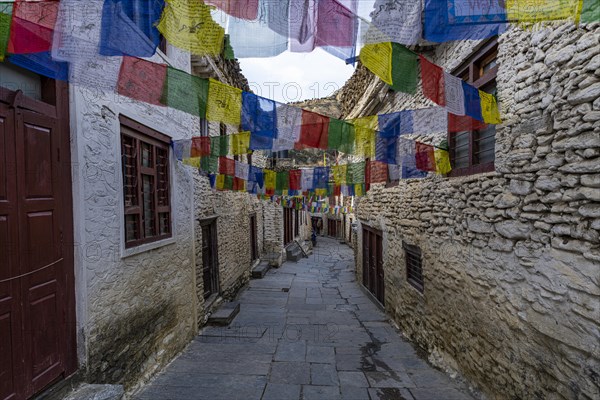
210, 260
37, 299
253, 239
317, 224
296, 223
288, 226
332, 228
373, 276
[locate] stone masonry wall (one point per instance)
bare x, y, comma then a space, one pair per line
511, 259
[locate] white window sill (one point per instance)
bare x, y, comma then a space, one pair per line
146, 247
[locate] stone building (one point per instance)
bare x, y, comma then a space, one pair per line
494, 270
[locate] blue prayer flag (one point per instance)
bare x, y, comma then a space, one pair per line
472, 101
43, 64
259, 115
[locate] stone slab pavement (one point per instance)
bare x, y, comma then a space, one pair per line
306, 331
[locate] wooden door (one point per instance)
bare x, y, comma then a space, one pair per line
253, 239
373, 274
296, 223
210, 263
380, 288
288, 226
366, 259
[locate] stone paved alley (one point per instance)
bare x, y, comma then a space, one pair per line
305, 331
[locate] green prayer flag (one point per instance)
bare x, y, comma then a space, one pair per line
228, 182
209, 164
227, 49
219, 146
283, 181
334, 139
5, 18
185, 92
404, 69
590, 12
356, 173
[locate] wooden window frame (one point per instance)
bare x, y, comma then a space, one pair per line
142, 134
472, 70
413, 259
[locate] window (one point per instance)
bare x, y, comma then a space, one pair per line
414, 267
473, 150
146, 191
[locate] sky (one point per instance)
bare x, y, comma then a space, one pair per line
293, 77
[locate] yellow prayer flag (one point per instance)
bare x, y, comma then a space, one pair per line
489, 108
378, 59
365, 142
220, 182
442, 162
224, 103
270, 179
321, 192
339, 174
358, 190
543, 10
192, 162
187, 24
240, 143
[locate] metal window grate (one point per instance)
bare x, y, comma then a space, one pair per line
414, 266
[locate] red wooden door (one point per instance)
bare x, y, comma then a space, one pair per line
36, 275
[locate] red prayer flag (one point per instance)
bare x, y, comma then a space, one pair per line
461, 123
142, 80
337, 190
32, 26
295, 179
226, 166
432, 77
425, 156
200, 147
239, 184
314, 132
336, 25
377, 172
244, 9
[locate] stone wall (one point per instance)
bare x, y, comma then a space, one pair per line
511, 258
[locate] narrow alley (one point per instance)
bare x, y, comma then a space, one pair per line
306, 331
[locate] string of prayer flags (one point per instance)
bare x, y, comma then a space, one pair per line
188, 24
463, 20
128, 27
142, 80
432, 78
314, 132
5, 20
442, 162
259, 115
32, 26
240, 143
425, 157
200, 146
224, 103
489, 108
244, 9
226, 166
185, 92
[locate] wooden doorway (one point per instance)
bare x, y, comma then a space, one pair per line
37, 297
253, 238
288, 226
210, 260
296, 223
373, 276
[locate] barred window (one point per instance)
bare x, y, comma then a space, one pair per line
146, 189
414, 267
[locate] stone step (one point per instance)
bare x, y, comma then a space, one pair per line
274, 259
225, 314
260, 270
97, 392
293, 252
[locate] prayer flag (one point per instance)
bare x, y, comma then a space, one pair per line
457, 123
442, 162
340, 173
399, 22
321, 177
240, 143
302, 25
296, 179
242, 170
209, 164
128, 27
192, 162
244, 9
393, 63
219, 146
256, 175
432, 78
336, 25
394, 172
365, 135
259, 115
224, 103
188, 24
377, 58
41, 63
200, 146
356, 173
283, 181
32, 26
142, 80
378, 172
590, 11
239, 184
314, 132
289, 122
182, 148
270, 179
226, 166
307, 179
472, 101
258, 142
385, 149
425, 157
430, 121
455, 96
489, 108
536, 11
5, 20
185, 92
